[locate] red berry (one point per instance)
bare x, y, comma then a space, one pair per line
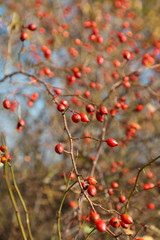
114, 165
72, 175
95, 31
150, 185
30, 103
147, 186
84, 117
72, 204
87, 94
3, 159
151, 206
19, 128
91, 180
57, 91
100, 39
124, 106
76, 118
77, 74
126, 218
149, 175
60, 107
111, 142
110, 191
92, 85
21, 123
122, 199
9, 157
94, 217
114, 185
99, 86
6, 104
100, 60
113, 112
126, 79
123, 225
125, 25
101, 226
92, 37
123, 99
99, 116
116, 63
139, 108
114, 222
64, 102
3, 148
34, 97
90, 108
87, 24
120, 163
92, 190
103, 110
47, 71
59, 149
126, 84
92, 159
127, 55
24, 36
32, 27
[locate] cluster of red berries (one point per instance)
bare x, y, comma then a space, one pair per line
5, 156
119, 104
47, 52
8, 105
131, 130
20, 125
47, 71
148, 60
24, 35
91, 188
77, 117
115, 222
32, 99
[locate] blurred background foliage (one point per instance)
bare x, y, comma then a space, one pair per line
37, 168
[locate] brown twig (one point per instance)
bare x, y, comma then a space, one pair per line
137, 178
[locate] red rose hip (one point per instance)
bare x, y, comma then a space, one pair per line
76, 118
91, 180
103, 110
24, 36
126, 218
111, 142
101, 226
32, 27
92, 190
84, 117
6, 104
59, 149
114, 222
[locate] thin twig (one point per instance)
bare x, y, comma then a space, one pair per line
22, 201
14, 202
137, 178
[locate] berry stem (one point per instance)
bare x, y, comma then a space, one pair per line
136, 182
22, 202
14, 202
89, 234
99, 147
60, 209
